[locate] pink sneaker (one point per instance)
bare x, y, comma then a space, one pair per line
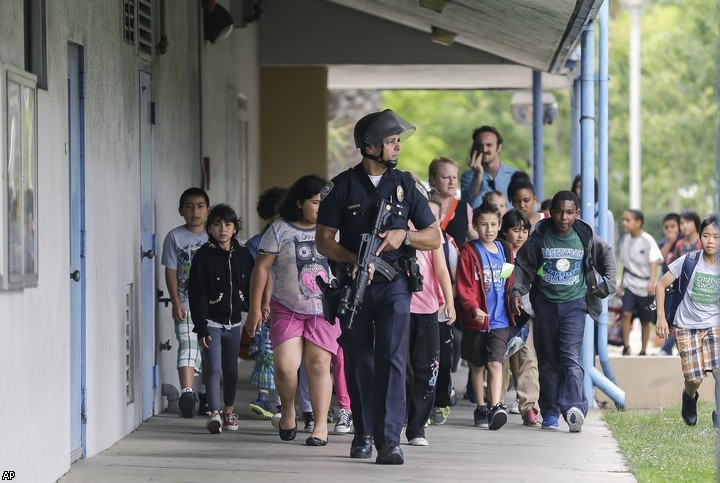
230, 422
530, 418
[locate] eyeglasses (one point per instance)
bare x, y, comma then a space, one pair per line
491, 183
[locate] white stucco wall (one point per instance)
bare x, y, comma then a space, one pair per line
36, 353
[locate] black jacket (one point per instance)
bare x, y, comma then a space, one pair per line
598, 257
219, 285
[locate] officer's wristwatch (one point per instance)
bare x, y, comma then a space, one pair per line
408, 239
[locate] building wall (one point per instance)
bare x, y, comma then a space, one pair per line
294, 124
36, 373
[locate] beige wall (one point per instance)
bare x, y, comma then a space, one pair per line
293, 124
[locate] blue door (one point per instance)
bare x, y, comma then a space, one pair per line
76, 157
148, 248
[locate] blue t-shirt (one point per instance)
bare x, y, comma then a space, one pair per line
492, 264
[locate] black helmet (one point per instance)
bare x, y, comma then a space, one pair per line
374, 127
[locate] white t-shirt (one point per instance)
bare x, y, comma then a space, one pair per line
179, 248
700, 308
298, 263
636, 255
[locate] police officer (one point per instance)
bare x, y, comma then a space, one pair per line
376, 346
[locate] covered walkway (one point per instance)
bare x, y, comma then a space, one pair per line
167, 448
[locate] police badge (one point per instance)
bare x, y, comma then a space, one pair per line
400, 193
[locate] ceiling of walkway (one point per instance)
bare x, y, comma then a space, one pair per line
387, 43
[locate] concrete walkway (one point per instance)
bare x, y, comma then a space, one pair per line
168, 448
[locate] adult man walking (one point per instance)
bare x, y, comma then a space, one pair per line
376, 346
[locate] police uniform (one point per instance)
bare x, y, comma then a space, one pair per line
376, 347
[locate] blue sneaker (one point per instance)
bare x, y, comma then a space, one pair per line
550, 422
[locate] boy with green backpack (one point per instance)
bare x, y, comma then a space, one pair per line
695, 313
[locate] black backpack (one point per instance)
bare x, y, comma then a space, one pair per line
676, 291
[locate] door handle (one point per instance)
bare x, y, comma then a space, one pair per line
148, 253
75, 276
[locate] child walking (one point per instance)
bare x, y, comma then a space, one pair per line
179, 247
697, 319
298, 331
219, 293
486, 319
523, 364
423, 363
640, 256
560, 260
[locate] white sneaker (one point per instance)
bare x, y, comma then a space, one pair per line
575, 419
344, 423
275, 420
215, 423
419, 441
515, 408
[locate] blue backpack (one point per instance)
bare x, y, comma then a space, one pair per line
676, 291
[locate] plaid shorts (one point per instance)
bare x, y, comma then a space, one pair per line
699, 351
188, 354
263, 373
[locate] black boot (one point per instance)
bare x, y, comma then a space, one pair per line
689, 408
390, 454
361, 446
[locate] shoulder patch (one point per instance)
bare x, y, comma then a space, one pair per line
421, 189
326, 190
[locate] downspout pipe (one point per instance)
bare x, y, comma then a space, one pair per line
593, 377
173, 396
538, 110
575, 130
605, 231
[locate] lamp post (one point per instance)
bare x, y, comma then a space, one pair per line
635, 9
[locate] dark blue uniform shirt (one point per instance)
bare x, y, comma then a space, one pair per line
347, 207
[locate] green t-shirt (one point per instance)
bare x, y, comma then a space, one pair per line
561, 277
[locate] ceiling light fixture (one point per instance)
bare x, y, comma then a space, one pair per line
434, 5
442, 36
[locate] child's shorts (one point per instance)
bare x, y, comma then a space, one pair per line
286, 324
188, 354
699, 351
640, 306
479, 348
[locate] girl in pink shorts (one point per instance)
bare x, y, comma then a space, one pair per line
297, 328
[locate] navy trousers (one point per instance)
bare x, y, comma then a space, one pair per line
376, 350
558, 337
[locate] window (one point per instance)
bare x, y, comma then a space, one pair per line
129, 21
35, 43
138, 26
19, 223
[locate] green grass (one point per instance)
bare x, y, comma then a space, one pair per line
659, 446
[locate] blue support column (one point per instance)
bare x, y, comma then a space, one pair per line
593, 377
538, 160
587, 151
605, 231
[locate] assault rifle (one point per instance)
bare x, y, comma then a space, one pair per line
369, 243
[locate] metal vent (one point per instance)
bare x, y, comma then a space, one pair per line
129, 323
144, 29
129, 21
